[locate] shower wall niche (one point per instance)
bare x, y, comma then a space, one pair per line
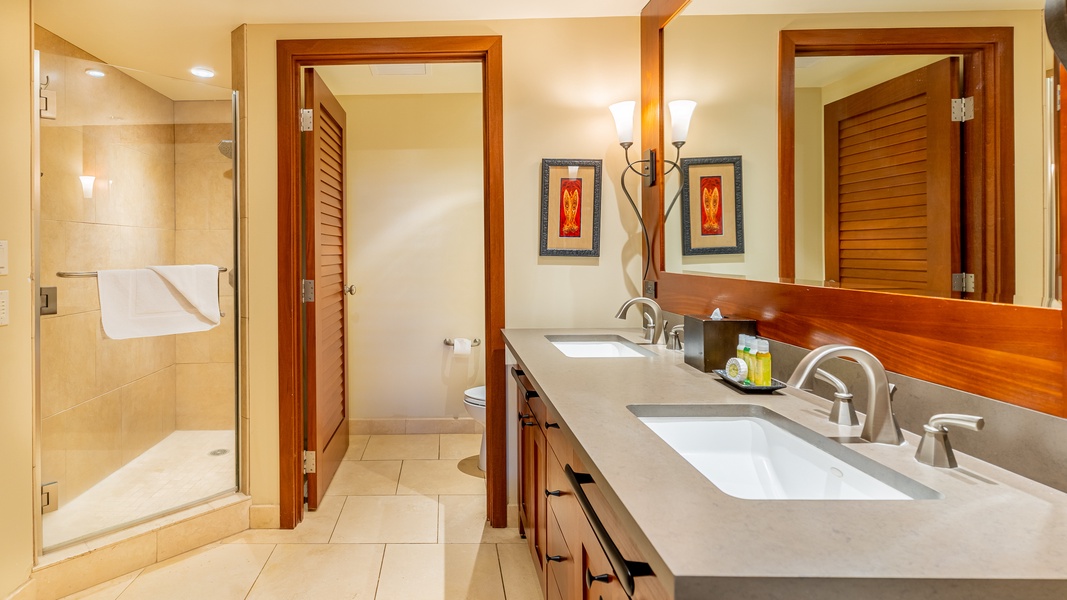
130, 429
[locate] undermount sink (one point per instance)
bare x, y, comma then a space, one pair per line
597, 346
753, 453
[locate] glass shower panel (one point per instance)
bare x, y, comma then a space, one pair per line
136, 171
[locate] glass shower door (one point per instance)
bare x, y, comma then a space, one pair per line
136, 171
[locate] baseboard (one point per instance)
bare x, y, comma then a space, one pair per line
26, 591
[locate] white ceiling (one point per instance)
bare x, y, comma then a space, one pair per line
167, 38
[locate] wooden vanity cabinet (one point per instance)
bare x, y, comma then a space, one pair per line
570, 560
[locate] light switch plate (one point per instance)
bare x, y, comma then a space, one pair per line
3, 307
3, 257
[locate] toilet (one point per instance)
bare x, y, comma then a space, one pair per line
474, 402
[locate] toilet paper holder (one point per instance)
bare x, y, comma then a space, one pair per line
474, 342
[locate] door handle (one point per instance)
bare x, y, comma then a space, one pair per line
350, 290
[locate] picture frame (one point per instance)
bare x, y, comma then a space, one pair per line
714, 222
570, 207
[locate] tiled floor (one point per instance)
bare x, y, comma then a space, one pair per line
184, 467
403, 520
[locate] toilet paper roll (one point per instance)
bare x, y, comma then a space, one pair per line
461, 346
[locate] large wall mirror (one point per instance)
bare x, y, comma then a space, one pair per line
926, 239
730, 64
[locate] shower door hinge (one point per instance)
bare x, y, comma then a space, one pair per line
307, 119
963, 282
307, 290
962, 109
49, 497
309, 461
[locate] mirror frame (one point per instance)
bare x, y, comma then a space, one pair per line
979, 347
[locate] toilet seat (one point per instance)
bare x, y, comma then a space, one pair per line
475, 396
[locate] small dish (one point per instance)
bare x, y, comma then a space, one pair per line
748, 388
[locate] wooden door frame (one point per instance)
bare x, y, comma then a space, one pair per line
293, 55
988, 152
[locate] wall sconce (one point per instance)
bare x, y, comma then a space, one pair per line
681, 115
87, 186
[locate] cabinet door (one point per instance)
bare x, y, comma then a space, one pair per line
532, 478
526, 514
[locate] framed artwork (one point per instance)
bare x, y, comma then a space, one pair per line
712, 216
570, 207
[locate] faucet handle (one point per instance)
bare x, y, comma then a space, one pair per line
934, 449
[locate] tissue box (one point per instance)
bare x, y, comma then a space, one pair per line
709, 343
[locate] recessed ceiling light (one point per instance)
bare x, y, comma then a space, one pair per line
95, 73
202, 72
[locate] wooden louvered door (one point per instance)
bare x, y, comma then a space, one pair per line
892, 185
325, 323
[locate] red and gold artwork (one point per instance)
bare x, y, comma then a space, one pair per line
570, 208
711, 205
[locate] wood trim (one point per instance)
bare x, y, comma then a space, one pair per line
292, 56
654, 16
960, 344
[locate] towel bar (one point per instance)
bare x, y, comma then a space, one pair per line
72, 274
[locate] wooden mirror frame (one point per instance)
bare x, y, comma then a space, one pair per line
1011, 353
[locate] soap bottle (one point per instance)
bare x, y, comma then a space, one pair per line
763, 358
754, 374
741, 344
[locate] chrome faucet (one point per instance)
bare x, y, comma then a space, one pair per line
653, 330
880, 426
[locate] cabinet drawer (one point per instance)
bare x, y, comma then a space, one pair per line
528, 394
559, 563
561, 501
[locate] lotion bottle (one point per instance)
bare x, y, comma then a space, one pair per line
763, 357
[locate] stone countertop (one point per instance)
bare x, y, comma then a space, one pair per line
994, 534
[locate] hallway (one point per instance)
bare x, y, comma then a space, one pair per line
403, 519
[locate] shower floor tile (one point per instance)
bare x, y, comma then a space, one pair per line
178, 470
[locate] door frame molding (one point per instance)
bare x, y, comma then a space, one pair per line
988, 153
293, 55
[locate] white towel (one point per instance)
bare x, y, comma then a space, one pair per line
159, 300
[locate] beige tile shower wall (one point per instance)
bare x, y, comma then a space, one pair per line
204, 235
103, 401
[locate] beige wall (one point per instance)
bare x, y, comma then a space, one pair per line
733, 77
414, 252
559, 77
16, 339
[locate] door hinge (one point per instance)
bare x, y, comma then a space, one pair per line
309, 461
307, 290
307, 119
962, 109
963, 282
49, 497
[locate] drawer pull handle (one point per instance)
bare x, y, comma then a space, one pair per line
551, 558
522, 416
529, 424
531, 394
551, 425
624, 569
590, 578
555, 493
518, 372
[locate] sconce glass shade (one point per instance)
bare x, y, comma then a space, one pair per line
87, 185
624, 120
681, 114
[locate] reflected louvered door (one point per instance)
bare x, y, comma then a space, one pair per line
325, 330
892, 185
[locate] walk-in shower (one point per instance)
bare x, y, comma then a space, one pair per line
130, 429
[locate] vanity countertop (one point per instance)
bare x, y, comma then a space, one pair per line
994, 534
